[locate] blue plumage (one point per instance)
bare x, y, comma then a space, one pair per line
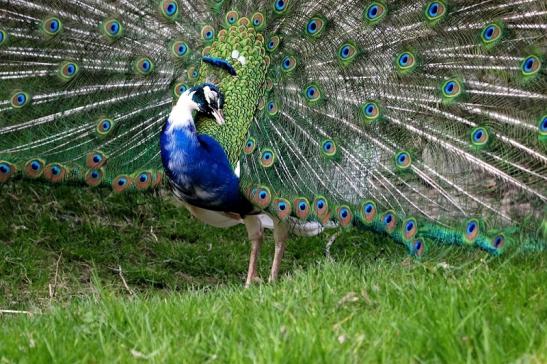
197, 166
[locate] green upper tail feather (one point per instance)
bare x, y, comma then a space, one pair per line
422, 120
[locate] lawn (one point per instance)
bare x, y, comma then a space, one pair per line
133, 278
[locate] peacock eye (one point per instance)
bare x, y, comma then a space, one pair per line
280, 6
4, 168
313, 94
498, 242
288, 63
435, 11
344, 215
406, 62
169, 9
273, 43
472, 229
207, 33
543, 125
530, 66
451, 89
418, 248
67, 70
179, 48
258, 21
410, 228
403, 160
479, 136
261, 196
250, 146
375, 12
328, 147
315, 27
272, 108
267, 158
179, 89
111, 28
347, 52
3, 36
52, 26
282, 208
19, 99
231, 17
95, 159
144, 66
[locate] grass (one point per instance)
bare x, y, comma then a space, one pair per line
61, 249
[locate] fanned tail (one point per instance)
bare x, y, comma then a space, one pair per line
425, 120
87, 87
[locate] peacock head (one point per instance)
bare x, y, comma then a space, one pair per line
206, 99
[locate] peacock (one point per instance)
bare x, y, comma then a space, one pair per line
422, 120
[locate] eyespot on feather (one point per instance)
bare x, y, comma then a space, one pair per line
250, 146
418, 248
121, 183
94, 177
389, 220
267, 158
315, 26
34, 168
374, 13
169, 9
55, 172
7, 171
68, 70
410, 228
262, 197
51, 26
280, 6
301, 207
403, 160
20, 99
368, 211
143, 66
282, 208
143, 180
104, 126
472, 230
207, 33
95, 159
435, 12
231, 18
344, 215
111, 28
320, 206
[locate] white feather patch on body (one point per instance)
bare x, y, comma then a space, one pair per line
237, 171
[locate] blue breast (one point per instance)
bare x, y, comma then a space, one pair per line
199, 171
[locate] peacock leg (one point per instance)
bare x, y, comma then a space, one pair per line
281, 234
255, 232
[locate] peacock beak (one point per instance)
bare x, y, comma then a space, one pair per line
219, 117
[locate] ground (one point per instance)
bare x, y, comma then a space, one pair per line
132, 277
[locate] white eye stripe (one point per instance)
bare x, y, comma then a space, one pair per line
208, 93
